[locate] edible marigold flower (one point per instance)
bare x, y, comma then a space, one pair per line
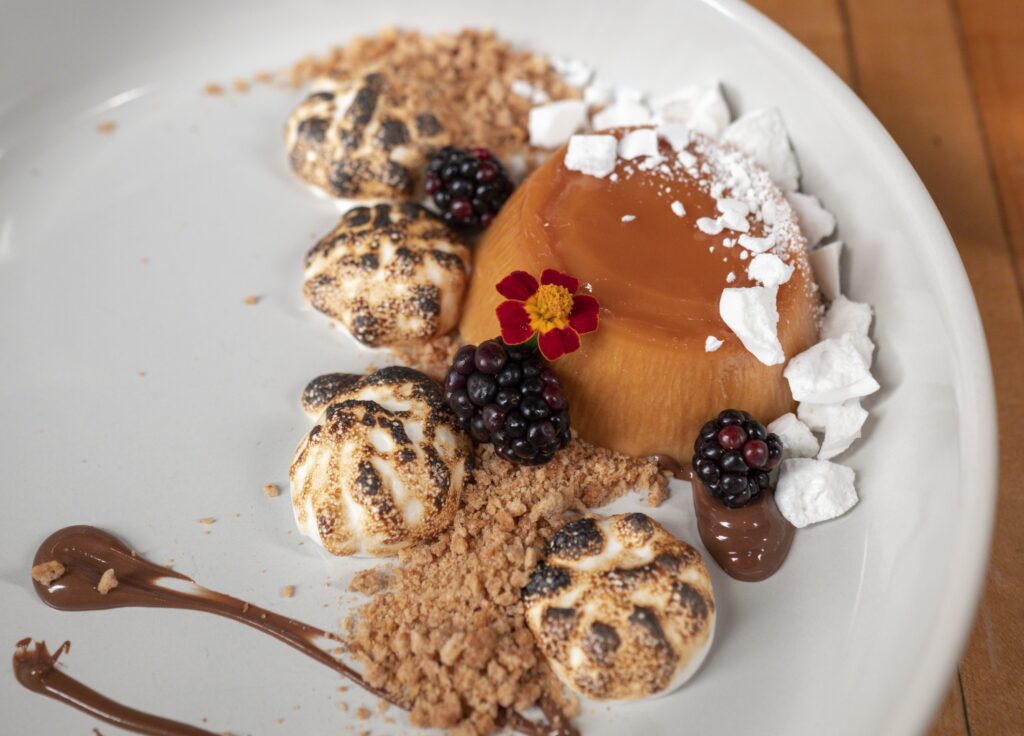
551, 311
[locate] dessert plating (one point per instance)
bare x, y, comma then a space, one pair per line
691, 232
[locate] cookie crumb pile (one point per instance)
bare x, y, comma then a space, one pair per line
466, 78
448, 637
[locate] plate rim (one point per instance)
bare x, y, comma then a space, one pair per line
924, 694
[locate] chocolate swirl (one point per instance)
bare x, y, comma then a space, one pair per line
86, 553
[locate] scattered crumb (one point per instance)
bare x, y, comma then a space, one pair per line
144, 260
431, 356
264, 77
250, 300
108, 581
240, 85
207, 520
343, 706
142, 374
369, 582
46, 572
288, 591
213, 89
382, 706
272, 490
464, 79
448, 637
363, 713
105, 127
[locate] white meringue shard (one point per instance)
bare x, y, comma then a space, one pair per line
797, 438
761, 134
830, 372
751, 313
812, 491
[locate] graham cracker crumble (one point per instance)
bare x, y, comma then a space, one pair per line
105, 127
46, 572
465, 78
288, 591
448, 639
430, 356
272, 490
108, 581
370, 582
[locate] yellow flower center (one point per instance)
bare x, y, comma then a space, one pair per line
549, 308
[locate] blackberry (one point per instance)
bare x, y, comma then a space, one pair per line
733, 455
507, 396
468, 186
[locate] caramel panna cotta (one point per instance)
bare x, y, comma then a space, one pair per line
644, 382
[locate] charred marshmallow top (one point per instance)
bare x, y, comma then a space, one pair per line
382, 468
621, 608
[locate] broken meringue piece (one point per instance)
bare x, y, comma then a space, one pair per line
797, 438
762, 135
811, 491
751, 313
698, 107
816, 222
825, 263
841, 424
621, 609
552, 124
830, 372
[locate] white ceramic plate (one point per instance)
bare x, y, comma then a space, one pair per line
133, 252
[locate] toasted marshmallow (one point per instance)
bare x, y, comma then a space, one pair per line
364, 137
390, 274
621, 609
383, 467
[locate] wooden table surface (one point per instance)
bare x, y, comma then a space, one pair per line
946, 78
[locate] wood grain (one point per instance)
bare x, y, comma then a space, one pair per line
912, 73
993, 38
908, 59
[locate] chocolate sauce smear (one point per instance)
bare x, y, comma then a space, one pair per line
35, 668
749, 543
87, 552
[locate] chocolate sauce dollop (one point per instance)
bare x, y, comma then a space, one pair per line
749, 543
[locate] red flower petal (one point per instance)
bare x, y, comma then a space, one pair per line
584, 315
551, 276
558, 342
514, 321
517, 285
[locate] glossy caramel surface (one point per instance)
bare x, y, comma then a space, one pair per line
657, 271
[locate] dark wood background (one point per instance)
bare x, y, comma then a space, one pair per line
946, 78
